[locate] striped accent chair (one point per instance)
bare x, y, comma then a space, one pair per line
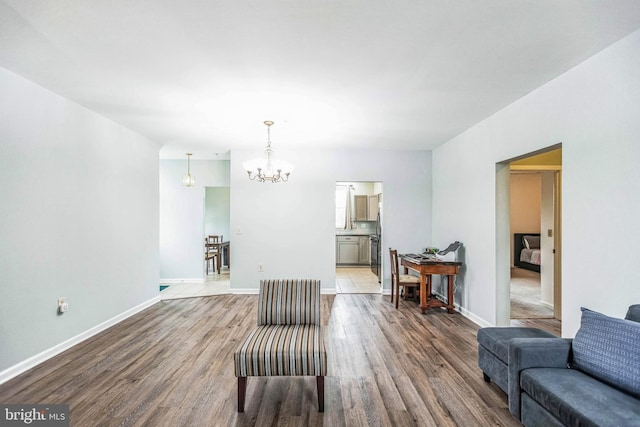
288, 339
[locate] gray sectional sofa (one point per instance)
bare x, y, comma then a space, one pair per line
590, 380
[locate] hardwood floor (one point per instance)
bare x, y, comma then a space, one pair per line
172, 365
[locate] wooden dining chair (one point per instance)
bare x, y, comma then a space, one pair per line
214, 249
405, 280
215, 239
209, 256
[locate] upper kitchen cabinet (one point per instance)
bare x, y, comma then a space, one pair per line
361, 208
373, 207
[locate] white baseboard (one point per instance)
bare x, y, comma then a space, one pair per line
248, 291
33, 361
253, 291
546, 304
174, 281
475, 319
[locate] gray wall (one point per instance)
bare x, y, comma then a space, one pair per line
79, 219
593, 111
290, 227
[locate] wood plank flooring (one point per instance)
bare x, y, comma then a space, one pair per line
172, 365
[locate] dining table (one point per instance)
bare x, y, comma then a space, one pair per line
222, 249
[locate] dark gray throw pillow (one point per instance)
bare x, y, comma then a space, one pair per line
609, 349
633, 313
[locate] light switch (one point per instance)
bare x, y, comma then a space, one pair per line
549, 233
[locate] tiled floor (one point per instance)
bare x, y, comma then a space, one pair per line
215, 284
356, 280
349, 280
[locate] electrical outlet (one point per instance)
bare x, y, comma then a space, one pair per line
63, 306
260, 267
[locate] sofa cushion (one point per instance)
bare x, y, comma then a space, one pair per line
609, 349
496, 339
282, 350
533, 414
578, 399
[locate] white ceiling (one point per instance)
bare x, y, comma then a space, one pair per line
202, 75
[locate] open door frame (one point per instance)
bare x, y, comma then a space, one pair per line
557, 246
503, 239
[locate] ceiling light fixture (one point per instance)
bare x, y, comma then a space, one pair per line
268, 169
189, 180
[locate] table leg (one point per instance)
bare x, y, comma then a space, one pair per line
423, 292
450, 294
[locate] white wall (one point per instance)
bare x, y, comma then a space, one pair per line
182, 216
290, 227
525, 198
593, 111
216, 212
525, 192
79, 219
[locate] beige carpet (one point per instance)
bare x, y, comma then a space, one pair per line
525, 296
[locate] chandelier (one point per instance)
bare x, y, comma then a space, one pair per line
188, 180
268, 169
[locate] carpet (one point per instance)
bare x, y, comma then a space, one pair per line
525, 296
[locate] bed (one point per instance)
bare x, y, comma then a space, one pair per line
526, 251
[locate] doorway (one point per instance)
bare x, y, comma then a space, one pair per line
217, 223
358, 234
528, 223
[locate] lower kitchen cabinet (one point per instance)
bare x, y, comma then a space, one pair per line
352, 250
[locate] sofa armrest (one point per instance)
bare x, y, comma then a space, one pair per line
527, 353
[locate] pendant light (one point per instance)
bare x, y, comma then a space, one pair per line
188, 180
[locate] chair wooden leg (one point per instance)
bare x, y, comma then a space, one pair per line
242, 391
392, 286
320, 386
397, 294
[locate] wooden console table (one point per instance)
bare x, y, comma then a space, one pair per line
426, 268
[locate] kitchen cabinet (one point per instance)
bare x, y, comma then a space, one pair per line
361, 208
347, 250
363, 250
352, 250
373, 207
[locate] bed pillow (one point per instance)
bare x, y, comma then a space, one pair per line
531, 242
608, 349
